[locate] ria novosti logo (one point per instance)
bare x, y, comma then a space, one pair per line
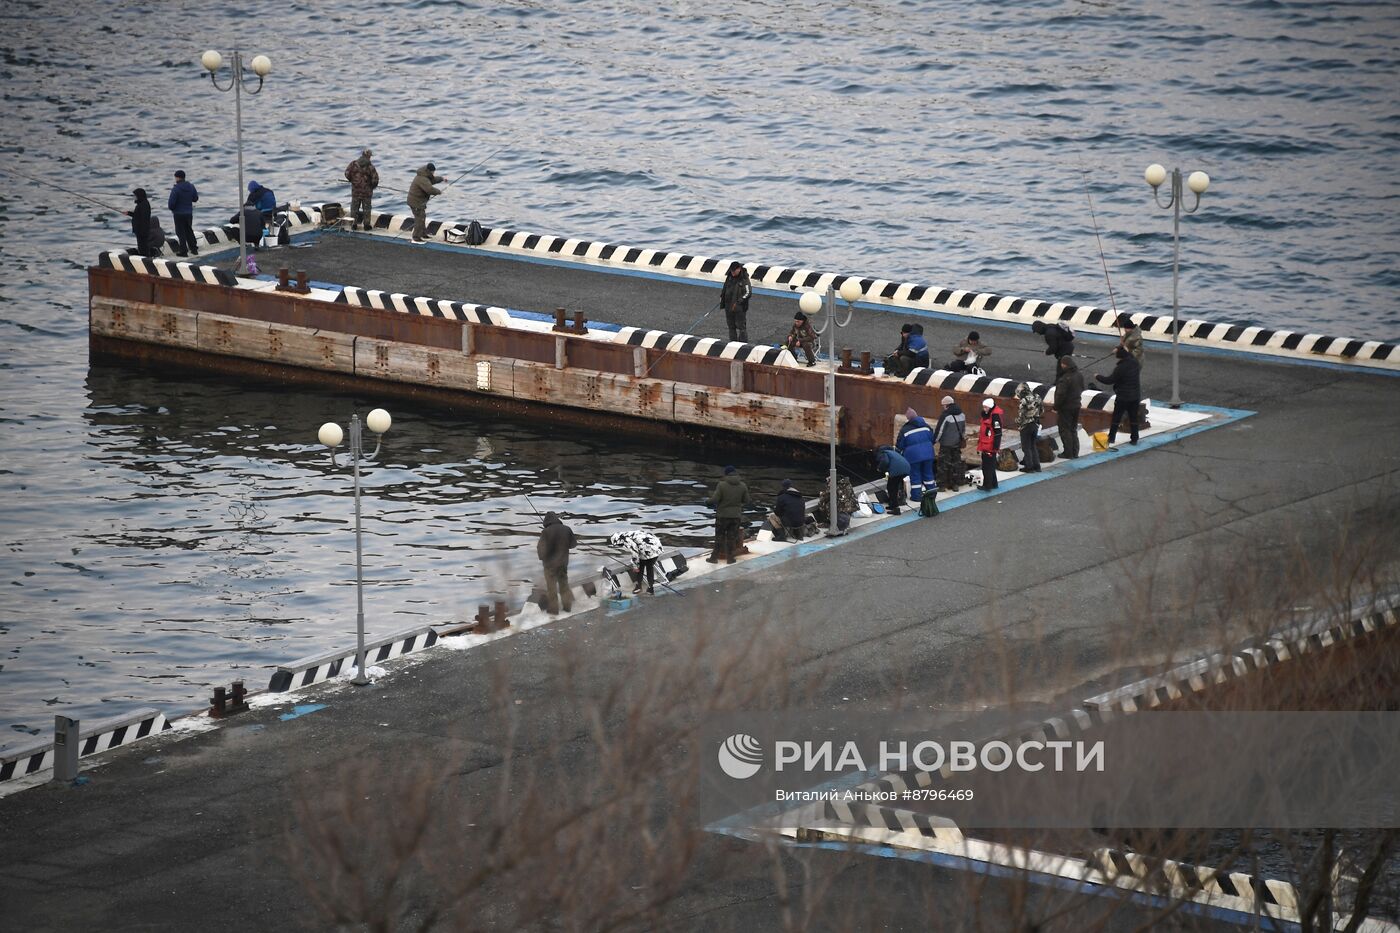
740, 756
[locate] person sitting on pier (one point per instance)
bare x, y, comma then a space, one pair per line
1131, 339
911, 353
556, 540
418, 194
915, 442
735, 298
846, 504
1126, 380
728, 501
261, 198
789, 514
802, 335
896, 469
950, 434
643, 549
967, 353
140, 215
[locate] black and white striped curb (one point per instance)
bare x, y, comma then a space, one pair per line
989, 306
427, 307
1159, 875
706, 346
317, 668
1216, 669
1091, 399
166, 269
99, 736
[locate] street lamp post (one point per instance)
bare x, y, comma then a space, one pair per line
1198, 182
811, 303
331, 435
259, 66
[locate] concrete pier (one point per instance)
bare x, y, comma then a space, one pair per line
1032, 593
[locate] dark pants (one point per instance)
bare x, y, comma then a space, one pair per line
1030, 459
804, 345
1067, 423
738, 321
359, 212
184, 233
556, 590
894, 492
989, 470
1124, 408
729, 538
646, 569
420, 222
952, 466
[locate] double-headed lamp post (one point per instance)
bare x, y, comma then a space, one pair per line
259, 66
811, 303
331, 435
1198, 182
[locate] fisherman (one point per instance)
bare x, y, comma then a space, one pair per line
789, 514
252, 224
1059, 339
261, 198
728, 501
989, 442
968, 352
1029, 410
1131, 340
846, 504
915, 442
802, 335
896, 469
1069, 390
556, 540
1126, 380
181, 206
950, 434
643, 549
363, 178
735, 298
418, 194
140, 215
911, 353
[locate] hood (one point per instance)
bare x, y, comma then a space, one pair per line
1069, 365
1023, 390
731, 479
550, 518
790, 492
363, 160
424, 170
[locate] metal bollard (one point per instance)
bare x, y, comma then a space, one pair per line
500, 623
284, 279
846, 359
483, 618
866, 366
218, 706
559, 319
579, 326
302, 285
66, 745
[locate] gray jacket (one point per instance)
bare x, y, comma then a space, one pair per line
951, 427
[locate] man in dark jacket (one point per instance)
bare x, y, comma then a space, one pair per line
1127, 388
896, 469
1069, 389
801, 335
262, 198
1059, 339
418, 194
181, 205
1029, 410
140, 215
911, 353
790, 510
363, 178
915, 442
556, 540
949, 434
729, 499
989, 442
735, 299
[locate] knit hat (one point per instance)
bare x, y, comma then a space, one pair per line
180, 173
910, 414
947, 400
787, 484
432, 167
988, 403
973, 335
799, 316
730, 469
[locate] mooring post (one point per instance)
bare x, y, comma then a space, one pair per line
483, 618
579, 326
559, 318
302, 280
499, 623
866, 367
65, 748
284, 279
846, 359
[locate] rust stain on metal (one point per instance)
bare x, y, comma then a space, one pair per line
434, 366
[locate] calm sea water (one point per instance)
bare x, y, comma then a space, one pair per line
161, 534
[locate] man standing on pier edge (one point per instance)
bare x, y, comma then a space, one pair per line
418, 194
181, 205
735, 298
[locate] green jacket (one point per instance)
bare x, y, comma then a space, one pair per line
731, 495
422, 188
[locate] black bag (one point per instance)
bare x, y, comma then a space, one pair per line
928, 505
475, 235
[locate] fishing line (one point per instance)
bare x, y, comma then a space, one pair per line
11, 171
688, 332
1112, 301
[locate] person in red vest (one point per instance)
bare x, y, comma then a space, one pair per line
989, 443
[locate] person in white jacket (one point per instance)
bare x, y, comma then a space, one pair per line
642, 549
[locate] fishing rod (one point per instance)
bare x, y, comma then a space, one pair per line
11, 171
661, 582
1112, 301
479, 164
689, 331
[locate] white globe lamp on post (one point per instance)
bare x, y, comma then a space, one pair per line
260, 67
1198, 182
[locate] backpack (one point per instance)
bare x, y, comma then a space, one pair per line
1065, 330
476, 236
